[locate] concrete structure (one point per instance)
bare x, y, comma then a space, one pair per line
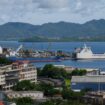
86, 53
66, 68
18, 71
94, 83
1, 50
94, 98
91, 71
20, 94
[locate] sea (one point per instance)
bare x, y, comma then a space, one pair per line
97, 47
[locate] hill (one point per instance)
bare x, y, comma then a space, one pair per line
20, 31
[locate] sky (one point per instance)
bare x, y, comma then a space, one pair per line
44, 11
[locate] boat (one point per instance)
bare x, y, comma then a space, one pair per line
86, 53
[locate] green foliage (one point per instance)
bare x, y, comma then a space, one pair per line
89, 31
69, 94
24, 86
5, 61
67, 83
48, 89
78, 72
53, 72
24, 101
62, 102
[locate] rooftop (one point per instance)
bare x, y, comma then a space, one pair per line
86, 79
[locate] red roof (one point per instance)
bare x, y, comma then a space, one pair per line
21, 62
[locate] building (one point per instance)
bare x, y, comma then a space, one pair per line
18, 71
1, 50
38, 95
92, 82
66, 68
91, 71
94, 98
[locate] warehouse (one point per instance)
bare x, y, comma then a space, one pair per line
93, 82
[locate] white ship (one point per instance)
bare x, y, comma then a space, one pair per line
86, 53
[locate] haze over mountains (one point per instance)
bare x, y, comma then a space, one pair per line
17, 30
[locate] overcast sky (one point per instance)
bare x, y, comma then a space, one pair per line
43, 11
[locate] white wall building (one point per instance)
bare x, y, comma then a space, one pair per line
32, 94
18, 71
1, 50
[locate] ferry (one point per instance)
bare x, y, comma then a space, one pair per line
86, 53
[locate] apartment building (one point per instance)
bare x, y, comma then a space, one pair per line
18, 71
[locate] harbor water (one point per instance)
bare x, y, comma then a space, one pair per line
97, 47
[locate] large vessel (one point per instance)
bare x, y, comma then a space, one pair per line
86, 53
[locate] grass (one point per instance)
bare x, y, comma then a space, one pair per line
67, 83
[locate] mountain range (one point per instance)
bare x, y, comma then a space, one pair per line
21, 31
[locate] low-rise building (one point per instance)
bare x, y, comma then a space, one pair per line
93, 82
91, 71
18, 71
95, 98
66, 68
20, 94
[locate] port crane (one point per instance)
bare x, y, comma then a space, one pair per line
15, 53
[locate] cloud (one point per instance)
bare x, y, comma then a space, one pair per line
41, 11
89, 7
52, 4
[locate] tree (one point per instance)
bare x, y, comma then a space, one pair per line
5, 61
24, 86
71, 95
48, 89
78, 72
24, 101
62, 102
53, 72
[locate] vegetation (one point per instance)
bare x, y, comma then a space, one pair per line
29, 101
71, 95
24, 101
4, 61
62, 102
89, 31
25, 85
78, 72
48, 89
67, 83
53, 72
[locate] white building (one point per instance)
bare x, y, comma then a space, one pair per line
18, 71
32, 94
1, 50
2, 78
